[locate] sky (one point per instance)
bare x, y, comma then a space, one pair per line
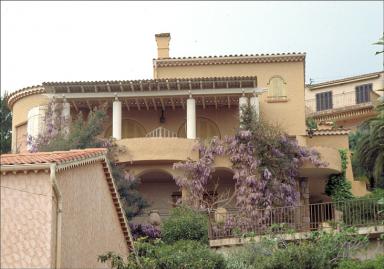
81, 41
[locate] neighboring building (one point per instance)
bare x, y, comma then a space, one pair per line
347, 102
159, 120
59, 210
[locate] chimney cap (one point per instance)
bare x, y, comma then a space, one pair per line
163, 35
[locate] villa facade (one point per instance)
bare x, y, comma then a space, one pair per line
346, 102
159, 120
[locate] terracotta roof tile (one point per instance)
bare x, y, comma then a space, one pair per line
57, 157
339, 131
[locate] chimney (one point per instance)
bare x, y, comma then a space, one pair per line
162, 41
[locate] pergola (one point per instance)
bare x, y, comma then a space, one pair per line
157, 94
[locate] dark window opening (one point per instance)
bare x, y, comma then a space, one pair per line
324, 101
363, 93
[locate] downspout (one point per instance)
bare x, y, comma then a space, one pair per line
58, 214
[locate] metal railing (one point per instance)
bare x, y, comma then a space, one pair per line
161, 132
356, 213
340, 100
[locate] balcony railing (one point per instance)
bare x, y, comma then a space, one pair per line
342, 100
161, 132
356, 213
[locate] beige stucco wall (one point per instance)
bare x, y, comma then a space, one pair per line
161, 149
290, 115
26, 216
20, 112
340, 142
90, 225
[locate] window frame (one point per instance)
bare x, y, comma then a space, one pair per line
324, 101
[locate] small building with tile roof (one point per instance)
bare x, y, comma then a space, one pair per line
60, 210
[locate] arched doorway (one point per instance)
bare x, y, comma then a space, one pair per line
159, 189
129, 129
221, 187
205, 129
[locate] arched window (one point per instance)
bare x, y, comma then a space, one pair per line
277, 88
205, 128
129, 129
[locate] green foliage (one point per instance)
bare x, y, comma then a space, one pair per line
311, 123
6, 126
322, 251
131, 199
377, 263
185, 224
83, 134
184, 254
338, 186
369, 153
188, 255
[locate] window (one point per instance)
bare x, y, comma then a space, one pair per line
363, 93
205, 128
323, 101
21, 138
276, 88
129, 129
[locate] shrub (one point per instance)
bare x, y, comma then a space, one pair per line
183, 254
377, 263
188, 255
185, 224
322, 251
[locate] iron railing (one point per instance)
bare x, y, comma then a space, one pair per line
303, 218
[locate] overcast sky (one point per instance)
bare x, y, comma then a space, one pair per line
71, 41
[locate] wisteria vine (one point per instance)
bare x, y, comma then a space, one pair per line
265, 162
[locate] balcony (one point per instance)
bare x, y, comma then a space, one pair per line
227, 228
341, 105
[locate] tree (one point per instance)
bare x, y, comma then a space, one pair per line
369, 153
380, 42
6, 125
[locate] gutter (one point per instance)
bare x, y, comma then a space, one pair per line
59, 210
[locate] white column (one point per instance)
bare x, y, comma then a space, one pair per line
33, 122
66, 115
191, 118
243, 101
116, 119
254, 103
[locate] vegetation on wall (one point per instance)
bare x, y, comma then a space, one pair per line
311, 123
6, 126
62, 134
338, 187
324, 250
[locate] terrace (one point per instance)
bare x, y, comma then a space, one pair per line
229, 227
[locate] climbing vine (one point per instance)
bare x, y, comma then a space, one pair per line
265, 162
338, 186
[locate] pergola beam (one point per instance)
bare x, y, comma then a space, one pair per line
154, 103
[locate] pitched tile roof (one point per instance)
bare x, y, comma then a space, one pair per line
344, 80
339, 131
230, 59
58, 157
